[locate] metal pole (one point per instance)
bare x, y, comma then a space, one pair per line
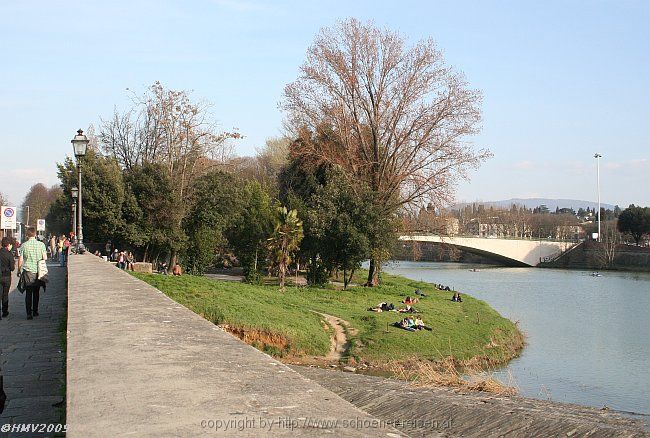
598, 156
80, 236
74, 217
27, 224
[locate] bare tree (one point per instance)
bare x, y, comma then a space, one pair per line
166, 127
611, 238
39, 199
397, 115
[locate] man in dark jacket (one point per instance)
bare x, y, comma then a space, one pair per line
7, 265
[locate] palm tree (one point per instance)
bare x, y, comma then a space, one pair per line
285, 240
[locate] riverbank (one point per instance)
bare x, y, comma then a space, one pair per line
293, 326
592, 255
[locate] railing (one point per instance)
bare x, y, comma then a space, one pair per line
474, 236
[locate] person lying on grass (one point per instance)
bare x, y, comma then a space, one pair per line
409, 300
408, 309
420, 293
383, 307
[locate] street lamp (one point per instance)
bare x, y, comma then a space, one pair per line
79, 145
598, 157
75, 194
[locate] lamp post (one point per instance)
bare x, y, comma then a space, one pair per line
598, 157
79, 145
75, 194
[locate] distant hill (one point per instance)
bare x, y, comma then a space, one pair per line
536, 202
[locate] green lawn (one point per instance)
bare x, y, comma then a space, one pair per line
457, 330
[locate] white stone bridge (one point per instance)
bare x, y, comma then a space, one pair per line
512, 252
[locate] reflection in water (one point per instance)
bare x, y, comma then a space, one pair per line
588, 337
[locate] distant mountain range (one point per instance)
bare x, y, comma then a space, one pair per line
536, 202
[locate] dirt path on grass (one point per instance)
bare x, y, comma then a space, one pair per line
339, 339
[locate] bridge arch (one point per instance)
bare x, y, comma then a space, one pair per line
511, 252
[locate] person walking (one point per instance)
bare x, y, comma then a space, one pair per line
53, 252
60, 251
30, 253
64, 251
7, 265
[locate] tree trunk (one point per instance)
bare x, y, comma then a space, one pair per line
373, 273
172, 260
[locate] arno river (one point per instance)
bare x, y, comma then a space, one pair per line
588, 338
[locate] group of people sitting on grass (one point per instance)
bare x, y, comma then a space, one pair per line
442, 287
412, 324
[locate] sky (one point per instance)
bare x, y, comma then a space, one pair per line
561, 80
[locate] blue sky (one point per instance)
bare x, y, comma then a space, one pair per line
561, 80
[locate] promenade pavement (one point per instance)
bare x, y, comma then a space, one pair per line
33, 359
140, 364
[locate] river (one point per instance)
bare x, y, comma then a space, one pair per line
588, 338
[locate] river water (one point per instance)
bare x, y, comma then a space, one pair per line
588, 338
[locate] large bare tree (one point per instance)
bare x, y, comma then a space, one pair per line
399, 116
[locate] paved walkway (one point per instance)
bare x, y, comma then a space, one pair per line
140, 364
32, 356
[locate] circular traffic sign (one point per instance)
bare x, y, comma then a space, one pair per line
9, 212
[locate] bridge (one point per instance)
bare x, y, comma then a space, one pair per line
511, 252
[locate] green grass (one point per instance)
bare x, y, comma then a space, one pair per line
457, 331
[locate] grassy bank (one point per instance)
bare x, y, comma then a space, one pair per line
285, 324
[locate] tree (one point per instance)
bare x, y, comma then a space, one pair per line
151, 222
393, 118
247, 235
340, 223
215, 207
272, 159
167, 127
635, 220
39, 199
103, 197
284, 241
609, 242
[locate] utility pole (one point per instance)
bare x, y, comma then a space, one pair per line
598, 157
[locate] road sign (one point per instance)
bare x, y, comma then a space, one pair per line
8, 218
40, 225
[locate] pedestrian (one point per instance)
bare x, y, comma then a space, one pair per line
60, 250
8, 265
31, 252
53, 251
64, 244
121, 260
129, 261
